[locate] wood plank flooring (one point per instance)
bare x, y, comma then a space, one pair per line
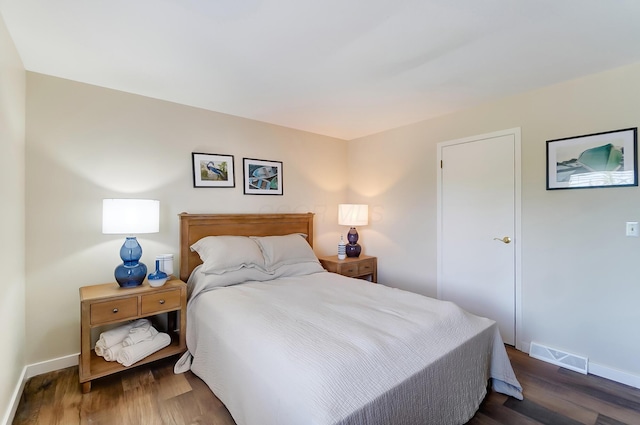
153, 394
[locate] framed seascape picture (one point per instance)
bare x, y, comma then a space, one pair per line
212, 170
262, 177
608, 159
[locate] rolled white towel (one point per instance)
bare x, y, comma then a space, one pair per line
100, 348
137, 335
134, 353
111, 353
142, 328
116, 335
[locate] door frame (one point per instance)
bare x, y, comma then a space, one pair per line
517, 211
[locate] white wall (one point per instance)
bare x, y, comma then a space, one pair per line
12, 192
580, 273
86, 143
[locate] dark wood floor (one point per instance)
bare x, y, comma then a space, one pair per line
152, 394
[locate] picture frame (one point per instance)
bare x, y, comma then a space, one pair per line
213, 170
262, 177
607, 159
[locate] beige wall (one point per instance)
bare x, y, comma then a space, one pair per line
12, 192
580, 273
86, 143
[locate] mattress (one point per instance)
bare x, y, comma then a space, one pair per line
324, 349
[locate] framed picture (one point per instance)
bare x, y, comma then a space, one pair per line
608, 159
262, 177
212, 170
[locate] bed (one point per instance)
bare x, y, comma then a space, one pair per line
280, 341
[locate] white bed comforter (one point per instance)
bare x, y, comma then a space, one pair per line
324, 349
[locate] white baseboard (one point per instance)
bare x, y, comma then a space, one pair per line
30, 371
51, 365
615, 375
15, 399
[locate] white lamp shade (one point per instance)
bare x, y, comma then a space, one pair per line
353, 215
130, 216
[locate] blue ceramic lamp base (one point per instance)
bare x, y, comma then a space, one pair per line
131, 272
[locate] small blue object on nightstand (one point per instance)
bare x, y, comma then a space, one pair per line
157, 278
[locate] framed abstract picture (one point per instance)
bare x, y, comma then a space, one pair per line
608, 159
213, 170
262, 177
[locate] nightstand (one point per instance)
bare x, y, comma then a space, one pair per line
363, 267
109, 304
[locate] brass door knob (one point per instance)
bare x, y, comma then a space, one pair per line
506, 239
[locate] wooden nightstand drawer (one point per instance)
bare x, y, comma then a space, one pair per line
349, 269
115, 310
161, 301
365, 267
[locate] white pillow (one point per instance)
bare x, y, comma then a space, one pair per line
221, 254
288, 249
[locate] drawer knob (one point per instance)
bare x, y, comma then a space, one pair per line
161, 301
115, 310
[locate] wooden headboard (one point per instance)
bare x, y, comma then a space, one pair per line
194, 227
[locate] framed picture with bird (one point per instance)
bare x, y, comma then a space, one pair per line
213, 170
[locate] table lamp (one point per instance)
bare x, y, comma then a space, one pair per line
129, 217
353, 215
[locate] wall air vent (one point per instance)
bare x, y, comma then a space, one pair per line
559, 358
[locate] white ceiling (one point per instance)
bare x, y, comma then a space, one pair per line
343, 68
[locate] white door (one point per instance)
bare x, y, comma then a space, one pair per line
478, 237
